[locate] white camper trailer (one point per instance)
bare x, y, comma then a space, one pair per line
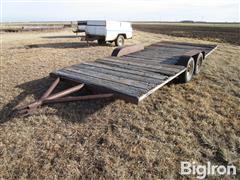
108, 31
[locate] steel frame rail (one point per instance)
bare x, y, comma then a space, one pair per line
59, 97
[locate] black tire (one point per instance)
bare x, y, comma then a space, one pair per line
188, 74
101, 41
119, 41
198, 64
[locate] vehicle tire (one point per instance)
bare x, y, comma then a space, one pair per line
101, 41
188, 74
198, 64
119, 41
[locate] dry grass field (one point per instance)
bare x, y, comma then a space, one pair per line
108, 139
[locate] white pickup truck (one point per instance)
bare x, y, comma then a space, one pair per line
107, 31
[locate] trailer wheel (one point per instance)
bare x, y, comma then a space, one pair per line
101, 41
188, 74
119, 41
198, 64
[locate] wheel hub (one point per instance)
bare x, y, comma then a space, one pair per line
190, 69
120, 42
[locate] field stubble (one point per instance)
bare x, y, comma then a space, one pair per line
229, 33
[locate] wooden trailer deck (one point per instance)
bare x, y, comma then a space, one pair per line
136, 75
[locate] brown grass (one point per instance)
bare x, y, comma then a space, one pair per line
198, 121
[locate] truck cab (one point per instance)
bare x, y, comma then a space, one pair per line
80, 27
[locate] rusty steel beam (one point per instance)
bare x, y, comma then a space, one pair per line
78, 98
51, 88
57, 98
65, 92
39, 102
124, 50
46, 94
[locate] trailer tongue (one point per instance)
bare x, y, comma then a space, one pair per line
131, 73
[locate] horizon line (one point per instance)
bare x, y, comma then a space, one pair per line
159, 21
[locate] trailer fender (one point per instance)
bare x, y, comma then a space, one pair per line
124, 35
124, 50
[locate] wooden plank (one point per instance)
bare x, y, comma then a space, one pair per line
168, 47
148, 61
129, 91
159, 50
172, 68
173, 50
162, 44
138, 68
159, 86
111, 78
206, 48
210, 46
163, 52
146, 57
144, 73
155, 57
119, 74
174, 47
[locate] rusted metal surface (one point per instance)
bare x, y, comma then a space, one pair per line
57, 98
65, 92
79, 98
50, 89
124, 50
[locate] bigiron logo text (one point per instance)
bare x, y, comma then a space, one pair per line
202, 171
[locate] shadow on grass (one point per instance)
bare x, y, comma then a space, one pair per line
70, 111
60, 37
63, 45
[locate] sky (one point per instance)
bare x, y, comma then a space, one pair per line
127, 10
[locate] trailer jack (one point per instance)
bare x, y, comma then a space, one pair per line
59, 97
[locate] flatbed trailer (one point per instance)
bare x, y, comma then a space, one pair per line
132, 73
